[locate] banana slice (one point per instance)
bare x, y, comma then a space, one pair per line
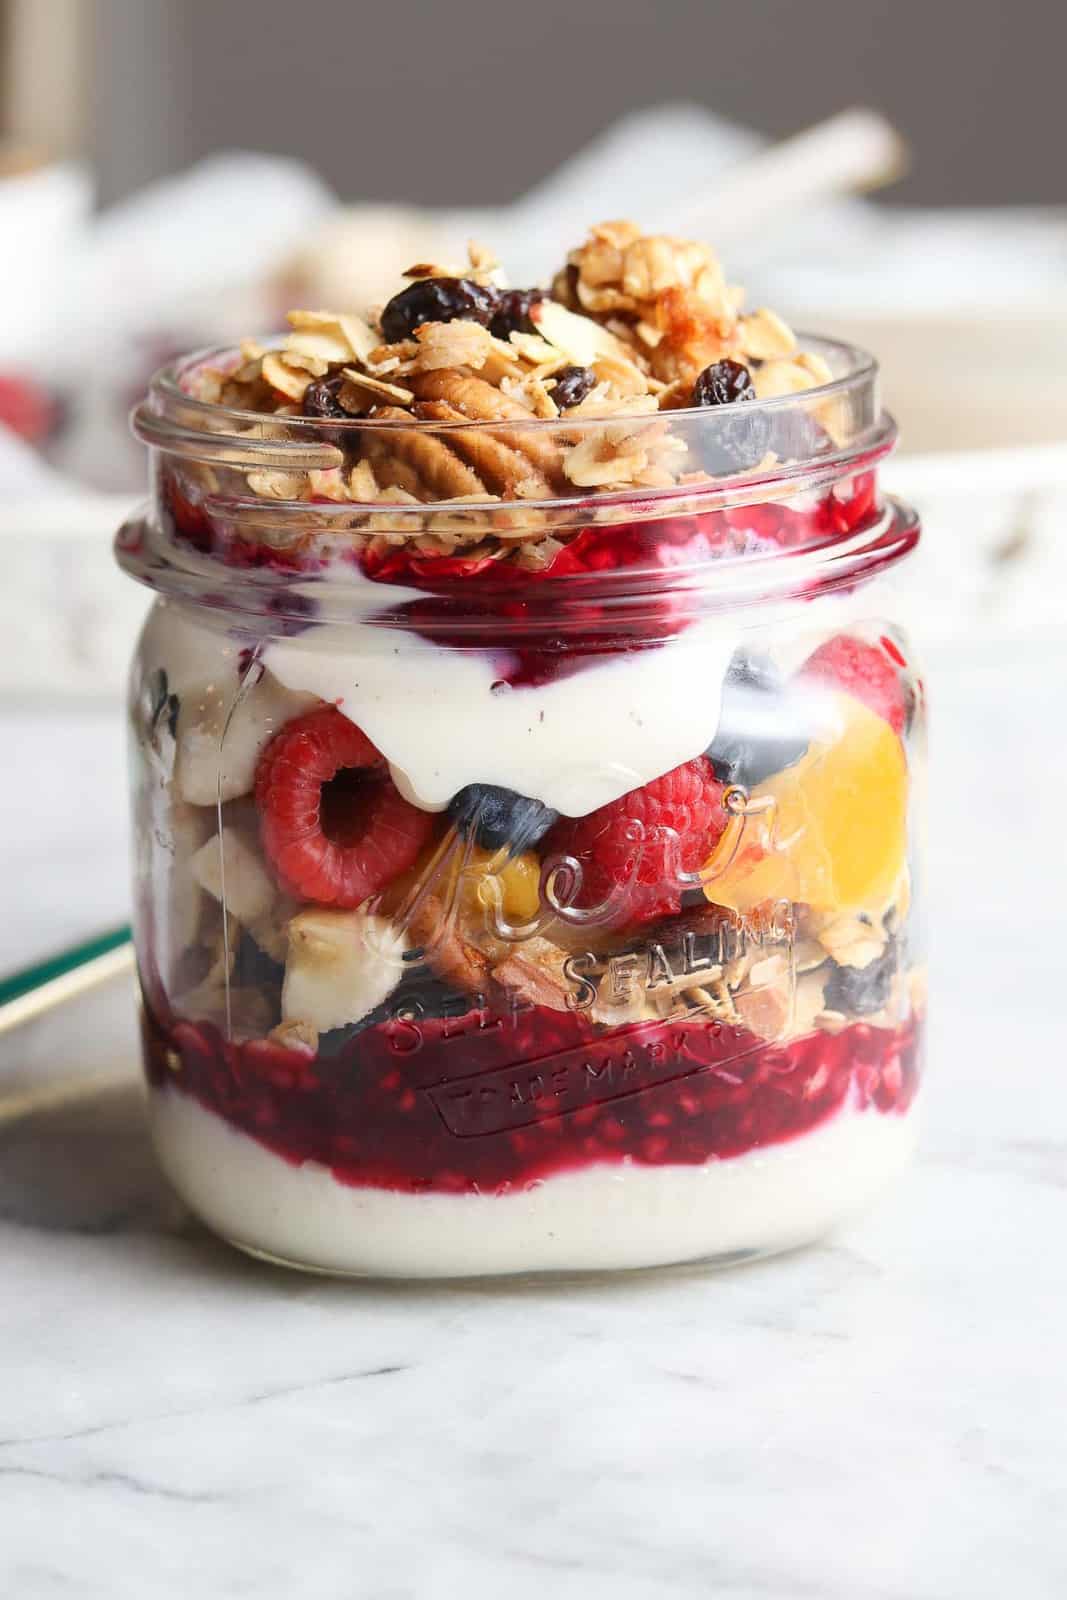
221, 733
341, 965
229, 862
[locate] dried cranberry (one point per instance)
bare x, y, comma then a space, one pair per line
322, 399
722, 384
438, 300
572, 385
513, 312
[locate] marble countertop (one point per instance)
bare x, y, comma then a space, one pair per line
879, 1417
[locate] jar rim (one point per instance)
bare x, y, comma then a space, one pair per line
178, 424
216, 452
859, 367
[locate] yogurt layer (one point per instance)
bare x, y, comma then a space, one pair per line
602, 1217
443, 718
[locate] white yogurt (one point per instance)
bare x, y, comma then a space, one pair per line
604, 1217
443, 719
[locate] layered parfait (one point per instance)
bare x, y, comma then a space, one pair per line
524, 776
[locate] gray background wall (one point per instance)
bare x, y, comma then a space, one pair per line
461, 101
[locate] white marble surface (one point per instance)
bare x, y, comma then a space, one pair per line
880, 1417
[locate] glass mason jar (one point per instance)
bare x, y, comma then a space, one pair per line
526, 885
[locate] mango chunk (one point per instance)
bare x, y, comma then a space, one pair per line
833, 831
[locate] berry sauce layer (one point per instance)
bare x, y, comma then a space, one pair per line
487, 1104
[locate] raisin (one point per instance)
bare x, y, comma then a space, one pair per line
513, 312
572, 385
322, 399
437, 300
737, 442
723, 383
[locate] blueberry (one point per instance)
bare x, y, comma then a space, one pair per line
418, 997
757, 733
858, 991
495, 817
438, 300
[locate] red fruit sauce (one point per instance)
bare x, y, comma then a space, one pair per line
648, 546
486, 1103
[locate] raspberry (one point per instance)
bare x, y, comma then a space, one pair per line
641, 843
26, 408
866, 671
334, 825
190, 520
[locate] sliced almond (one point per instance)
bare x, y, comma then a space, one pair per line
580, 338
342, 327
775, 378
288, 380
482, 259
358, 385
817, 365
764, 336
321, 346
534, 349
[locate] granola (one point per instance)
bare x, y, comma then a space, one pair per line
627, 328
